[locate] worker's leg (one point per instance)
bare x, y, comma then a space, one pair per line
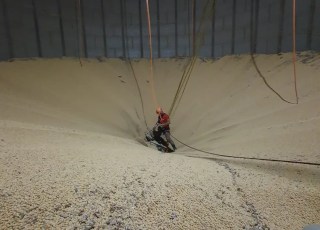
168, 137
159, 139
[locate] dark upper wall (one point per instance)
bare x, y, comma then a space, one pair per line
118, 28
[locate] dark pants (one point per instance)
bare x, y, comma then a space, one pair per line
168, 137
158, 138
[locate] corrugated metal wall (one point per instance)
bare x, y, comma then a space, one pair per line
118, 28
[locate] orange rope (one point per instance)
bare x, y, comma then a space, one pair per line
154, 96
294, 47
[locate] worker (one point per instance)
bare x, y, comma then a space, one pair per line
163, 126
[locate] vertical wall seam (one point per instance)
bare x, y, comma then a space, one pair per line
103, 18
234, 6
311, 21
281, 19
189, 30
251, 26
35, 18
7, 28
63, 45
194, 2
140, 26
176, 26
213, 29
158, 28
83, 29
122, 15
256, 21
77, 20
